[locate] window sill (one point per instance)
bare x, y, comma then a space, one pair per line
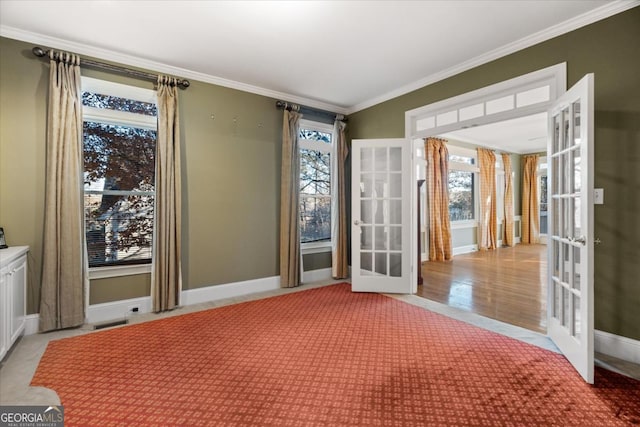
315, 247
463, 224
118, 271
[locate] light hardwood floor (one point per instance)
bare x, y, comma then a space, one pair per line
507, 284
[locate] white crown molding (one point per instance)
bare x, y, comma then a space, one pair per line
572, 24
109, 55
595, 15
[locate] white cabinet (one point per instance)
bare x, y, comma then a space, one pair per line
13, 295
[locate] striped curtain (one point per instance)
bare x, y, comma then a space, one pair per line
437, 157
507, 226
488, 224
530, 211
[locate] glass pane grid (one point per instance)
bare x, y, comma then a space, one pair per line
381, 209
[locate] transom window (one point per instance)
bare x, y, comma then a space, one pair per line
315, 182
119, 136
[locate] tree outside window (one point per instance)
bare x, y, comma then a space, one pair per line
119, 179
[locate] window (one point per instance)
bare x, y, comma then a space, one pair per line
542, 193
119, 134
462, 170
315, 182
500, 183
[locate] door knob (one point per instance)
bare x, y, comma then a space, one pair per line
357, 222
581, 239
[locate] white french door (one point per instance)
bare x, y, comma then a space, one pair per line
381, 231
570, 222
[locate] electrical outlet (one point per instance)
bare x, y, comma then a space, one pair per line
134, 309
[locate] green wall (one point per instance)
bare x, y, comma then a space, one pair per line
231, 179
611, 49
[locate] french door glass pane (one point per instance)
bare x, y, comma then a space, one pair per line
576, 266
556, 258
557, 303
577, 178
577, 214
366, 211
381, 211
381, 263
576, 123
566, 218
576, 317
380, 238
380, 159
366, 238
366, 263
555, 169
566, 272
395, 180
565, 128
567, 175
395, 159
566, 310
396, 212
395, 238
366, 159
366, 185
395, 264
556, 134
557, 217
381, 185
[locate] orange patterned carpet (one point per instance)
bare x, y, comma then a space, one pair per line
323, 357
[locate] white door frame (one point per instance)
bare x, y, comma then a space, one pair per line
521, 96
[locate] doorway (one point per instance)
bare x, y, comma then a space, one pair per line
509, 283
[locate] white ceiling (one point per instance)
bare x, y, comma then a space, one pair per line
337, 55
522, 135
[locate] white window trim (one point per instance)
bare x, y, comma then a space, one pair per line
324, 245
114, 117
118, 271
316, 247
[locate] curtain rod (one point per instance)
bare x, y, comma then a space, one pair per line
303, 108
40, 52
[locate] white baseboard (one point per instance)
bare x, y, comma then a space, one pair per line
316, 275
117, 310
614, 345
464, 249
31, 324
229, 290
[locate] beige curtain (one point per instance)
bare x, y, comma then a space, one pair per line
62, 292
437, 157
530, 212
507, 225
167, 269
339, 263
488, 224
289, 202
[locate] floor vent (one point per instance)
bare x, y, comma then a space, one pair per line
110, 324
